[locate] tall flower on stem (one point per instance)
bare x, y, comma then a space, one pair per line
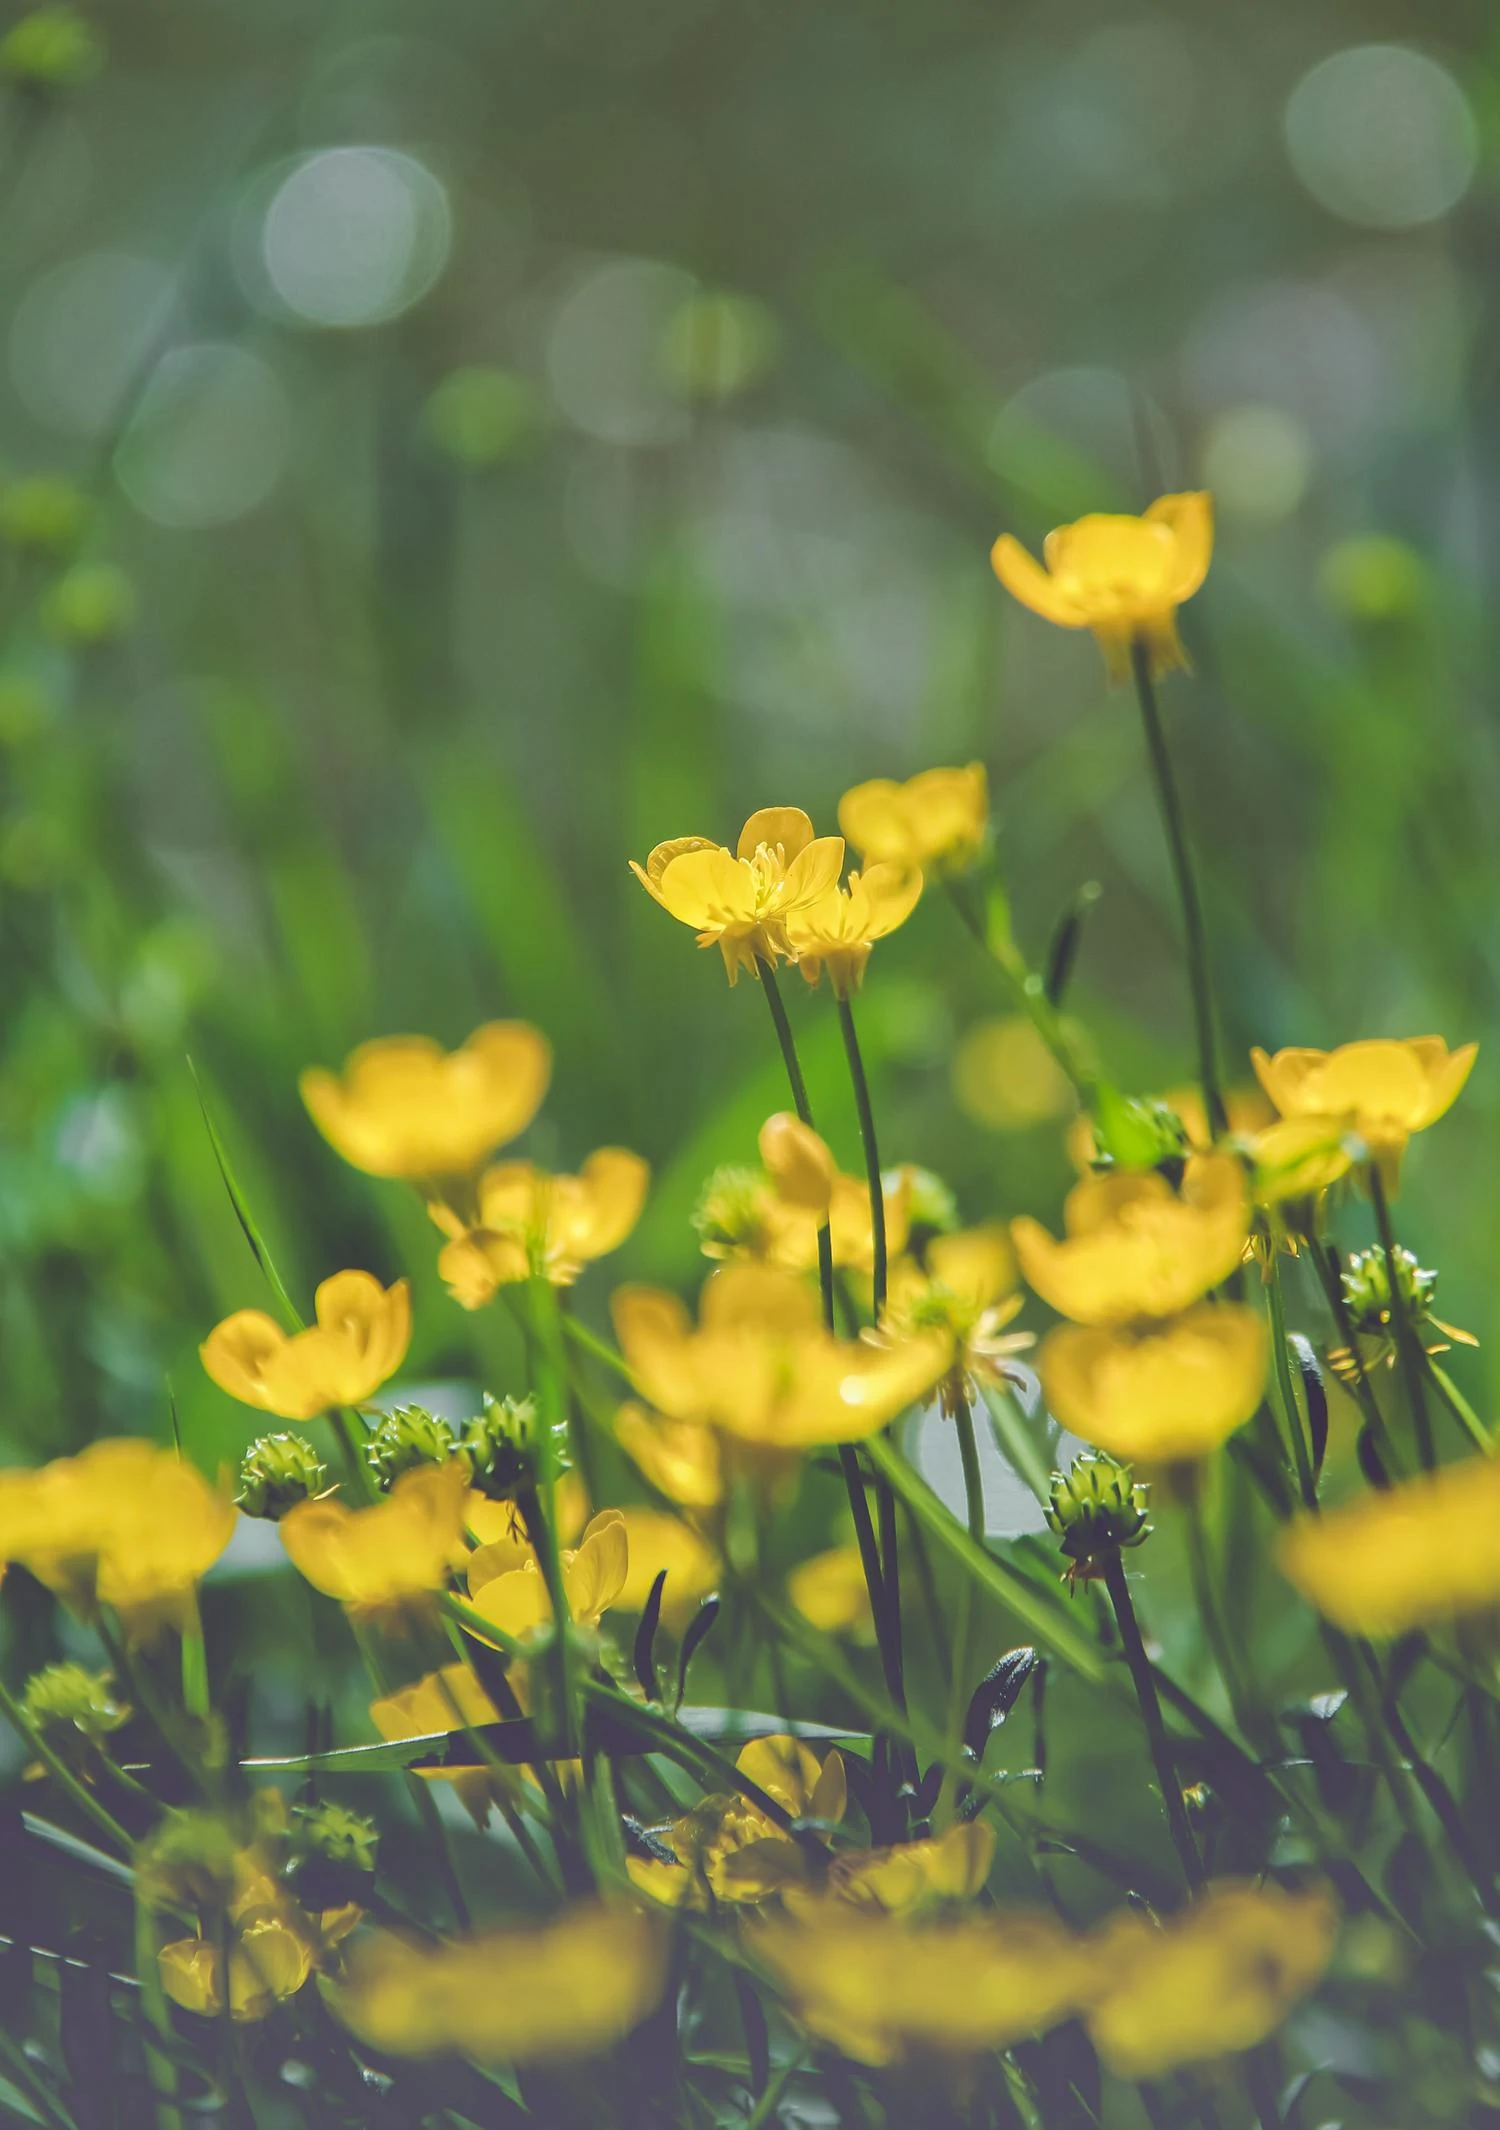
739, 901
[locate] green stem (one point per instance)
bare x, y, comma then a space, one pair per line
1194, 933
963, 1619
1408, 1346
1292, 1411
62, 1774
1144, 1682
1330, 1273
1241, 1698
994, 935
539, 1508
1462, 1411
868, 1141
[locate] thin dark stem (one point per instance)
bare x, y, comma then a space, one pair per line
872, 1155
1306, 1477
1408, 1345
1194, 933
1144, 1682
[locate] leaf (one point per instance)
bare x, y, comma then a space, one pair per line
259, 1249
73, 1845
644, 1654
1367, 1450
698, 1631
1315, 1393
1067, 937
995, 1696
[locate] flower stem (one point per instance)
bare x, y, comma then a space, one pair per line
861, 1088
1194, 934
963, 1618
61, 1773
1306, 1477
994, 935
1408, 1346
1144, 1681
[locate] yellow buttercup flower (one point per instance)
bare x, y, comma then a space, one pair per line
800, 1164
357, 1343
123, 1524
531, 1224
838, 931
881, 1988
775, 1218
268, 1962
831, 1593
1160, 1391
449, 1699
507, 1587
681, 1459
1384, 1091
1136, 1248
965, 1296
405, 1107
1122, 577
1213, 1980
910, 1877
737, 1850
1297, 1157
1419, 1553
565, 1988
934, 822
740, 900
761, 1366
388, 1557
656, 1540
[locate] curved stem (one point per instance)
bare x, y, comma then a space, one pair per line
1408, 1346
1194, 933
1144, 1682
61, 1773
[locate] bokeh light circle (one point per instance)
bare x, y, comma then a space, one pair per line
208, 441
1258, 460
355, 236
1382, 136
82, 334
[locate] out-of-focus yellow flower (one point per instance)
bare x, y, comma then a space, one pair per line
1136, 1248
507, 1587
775, 1218
268, 1962
1122, 577
739, 901
654, 1541
965, 1296
880, 1988
566, 1988
1297, 1157
1420, 1552
387, 1557
122, 1524
831, 1593
681, 1459
761, 1366
1212, 1981
531, 1224
910, 1877
405, 1107
450, 1699
800, 1164
934, 822
486, 1521
1246, 1109
1161, 1391
1006, 1078
357, 1343
838, 931
1382, 1090
738, 1851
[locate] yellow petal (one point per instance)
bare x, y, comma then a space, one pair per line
831, 1593
1176, 1391
402, 1107
237, 1354
812, 873
978, 1265
615, 1182
708, 889
389, 1555
1134, 1247
657, 1541
1026, 580
798, 1162
1191, 519
783, 828
1420, 1553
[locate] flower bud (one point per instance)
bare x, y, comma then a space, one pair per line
1367, 1289
1138, 1132
72, 1708
1096, 1508
405, 1438
277, 1472
334, 1853
51, 48
504, 1446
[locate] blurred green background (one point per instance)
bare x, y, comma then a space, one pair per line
499, 437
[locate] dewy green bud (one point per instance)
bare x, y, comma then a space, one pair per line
1095, 1508
1137, 1131
1367, 1288
504, 1446
405, 1438
335, 1852
71, 1706
188, 1861
277, 1472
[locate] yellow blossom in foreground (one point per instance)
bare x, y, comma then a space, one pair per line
357, 1343
934, 822
681, 1459
1421, 1552
963, 1295
1382, 1090
405, 1107
654, 1541
1161, 1391
1135, 1247
532, 1224
1212, 1981
123, 1524
740, 900
1297, 1157
507, 1587
908, 1877
881, 1988
838, 931
268, 1962
1122, 577
389, 1556
568, 1987
832, 1595
761, 1366
450, 1699
776, 1218
737, 1849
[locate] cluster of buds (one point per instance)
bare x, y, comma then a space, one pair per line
404, 1438
277, 1472
1096, 1509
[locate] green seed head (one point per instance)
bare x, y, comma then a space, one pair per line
1367, 1289
71, 1706
1097, 1507
504, 1445
277, 1472
405, 1438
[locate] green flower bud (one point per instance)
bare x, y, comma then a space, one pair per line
1096, 1508
406, 1437
1138, 1132
1367, 1289
334, 1853
277, 1472
93, 603
504, 1446
43, 514
72, 1708
931, 1206
51, 48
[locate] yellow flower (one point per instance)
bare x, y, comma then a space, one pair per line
122, 1524
838, 930
1005, 1078
881, 1988
568, 1987
654, 1541
507, 1587
268, 1962
531, 1223
1212, 1981
405, 1107
1159, 1391
1135, 1247
911, 1876
1296, 1157
450, 1699
1382, 1090
831, 1593
964, 1297
934, 822
800, 1164
357, 1343
729, 1844
1421, 1552
760, 1365
776, 1218
1122, 577
739, 901
390, 1556
681, 1459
